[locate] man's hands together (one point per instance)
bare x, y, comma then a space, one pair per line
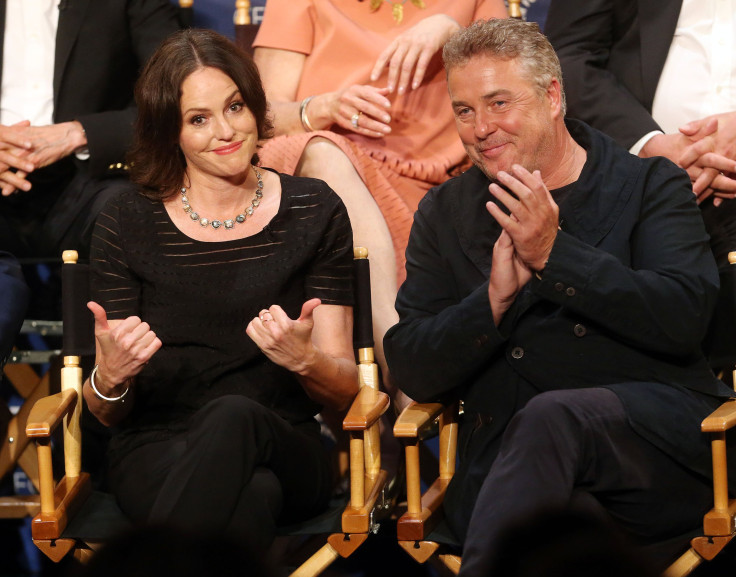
529, 233
706, 149
25, 148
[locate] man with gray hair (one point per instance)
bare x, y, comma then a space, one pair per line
560, 288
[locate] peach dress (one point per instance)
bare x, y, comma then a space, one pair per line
342, 40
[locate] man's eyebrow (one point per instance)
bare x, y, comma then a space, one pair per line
486, 97
496, 94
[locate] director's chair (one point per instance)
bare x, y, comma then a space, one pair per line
74, 519
422, 533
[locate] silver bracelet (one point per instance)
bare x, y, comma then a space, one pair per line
99, 395
303, 114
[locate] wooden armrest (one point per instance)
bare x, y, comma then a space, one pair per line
48, 412
417, 417
722, 419
367, 408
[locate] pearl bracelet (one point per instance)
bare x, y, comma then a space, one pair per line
99, 395
303, 114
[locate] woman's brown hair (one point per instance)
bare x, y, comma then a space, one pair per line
156, 161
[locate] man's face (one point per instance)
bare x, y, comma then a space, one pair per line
501, 117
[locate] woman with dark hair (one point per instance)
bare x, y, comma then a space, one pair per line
222, 300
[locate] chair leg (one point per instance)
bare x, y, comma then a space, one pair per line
452, 562
318, 562
28, 461
685, 564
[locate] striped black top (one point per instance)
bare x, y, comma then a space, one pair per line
199, 297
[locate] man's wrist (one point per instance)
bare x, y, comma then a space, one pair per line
642, 147
78, 137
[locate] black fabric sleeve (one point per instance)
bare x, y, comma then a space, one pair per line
330, 278
440, 342
113, 285
583, 33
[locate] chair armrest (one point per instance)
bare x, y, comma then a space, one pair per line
719, 521
722, 419
48, 413
416, 418
367, 408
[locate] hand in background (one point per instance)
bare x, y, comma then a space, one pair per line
12, 181
25, 148
53, 142
724, 132
15, 147
711, 158
368, 102
14, 141
412, 51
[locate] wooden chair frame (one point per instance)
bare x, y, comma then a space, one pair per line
719, 524
424, 511
16, 450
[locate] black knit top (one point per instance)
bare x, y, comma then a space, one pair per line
198, 297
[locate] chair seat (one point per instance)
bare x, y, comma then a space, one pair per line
443, 535
99, 519
329, 521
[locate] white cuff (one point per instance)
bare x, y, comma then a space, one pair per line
636, 149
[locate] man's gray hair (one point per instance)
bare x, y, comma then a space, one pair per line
507, 39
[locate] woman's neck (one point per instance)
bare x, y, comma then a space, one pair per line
218, 195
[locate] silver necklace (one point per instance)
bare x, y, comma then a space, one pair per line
229, 223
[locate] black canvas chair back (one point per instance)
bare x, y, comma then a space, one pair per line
79, 330
720, 342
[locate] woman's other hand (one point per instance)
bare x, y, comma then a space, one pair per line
412, 51
284, 341
317, 347
123, 348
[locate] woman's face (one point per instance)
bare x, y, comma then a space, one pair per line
218, 132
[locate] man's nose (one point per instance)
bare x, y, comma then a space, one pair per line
484, 124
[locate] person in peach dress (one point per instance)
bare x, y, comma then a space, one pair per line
359, 99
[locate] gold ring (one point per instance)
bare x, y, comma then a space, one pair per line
354, 119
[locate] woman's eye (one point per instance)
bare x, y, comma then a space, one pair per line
197, 120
